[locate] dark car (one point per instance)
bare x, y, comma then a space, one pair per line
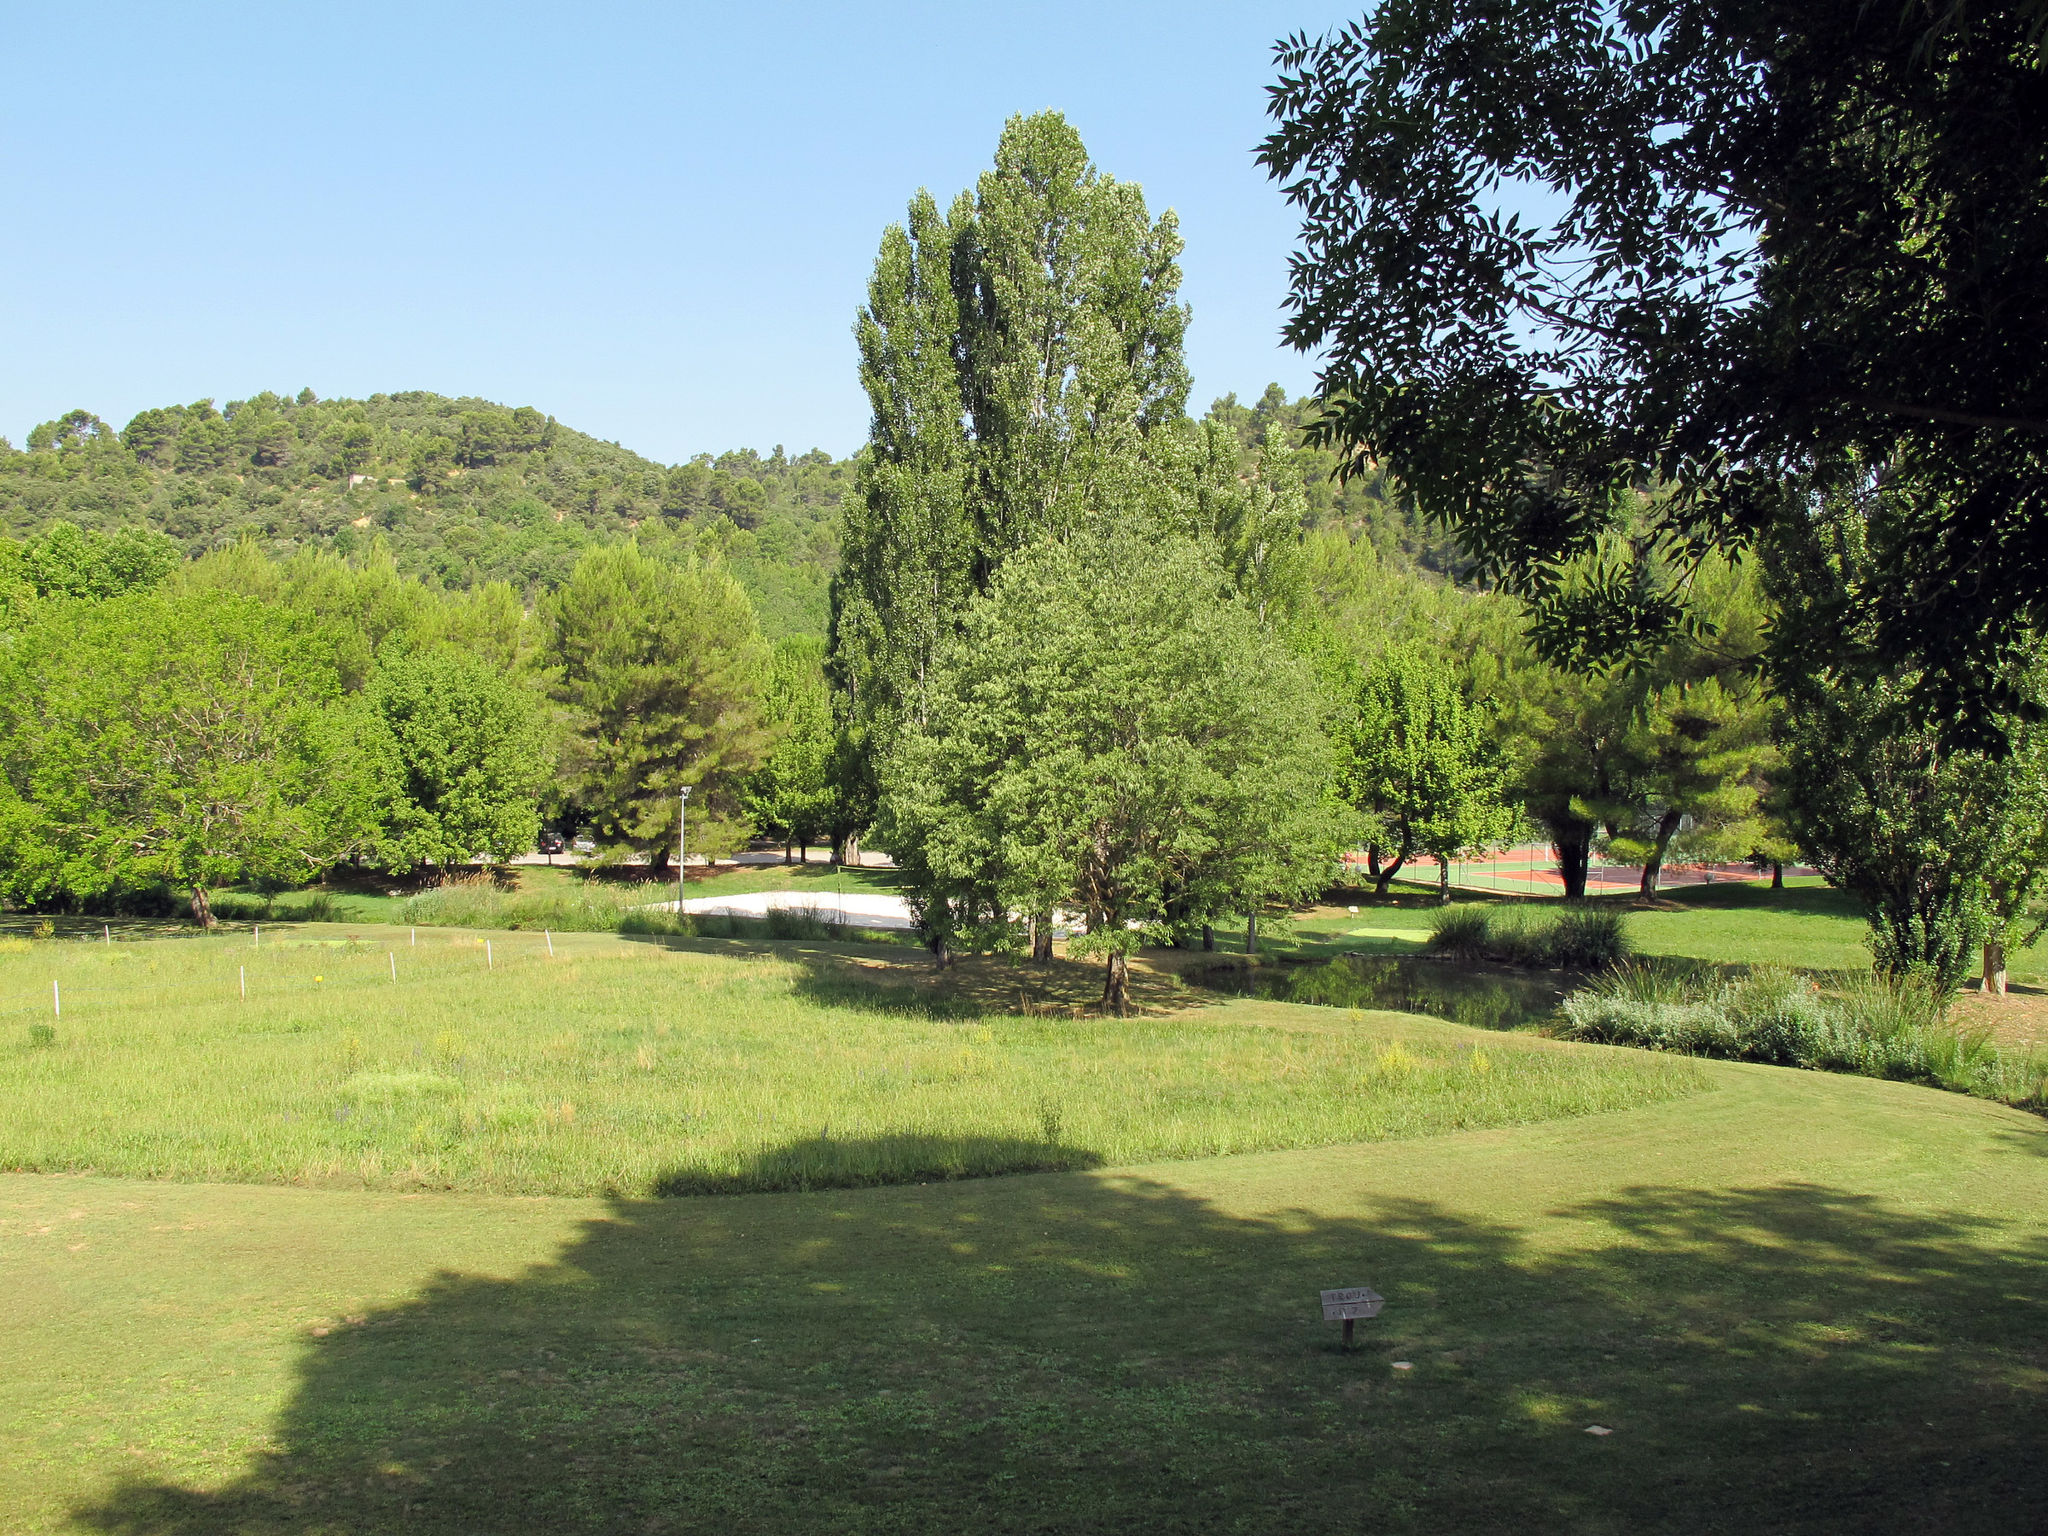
550, 844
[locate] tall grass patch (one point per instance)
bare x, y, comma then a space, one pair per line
480, 902
1869, 1025
636, 1069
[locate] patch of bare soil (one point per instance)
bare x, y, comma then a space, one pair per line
2017, 1020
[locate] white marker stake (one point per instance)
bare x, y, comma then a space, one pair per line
393, 955
56, 999
243, 971
255, 934
108, 930
551, 942
489, 963
415, 938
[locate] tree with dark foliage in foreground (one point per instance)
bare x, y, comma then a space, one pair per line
1784, 247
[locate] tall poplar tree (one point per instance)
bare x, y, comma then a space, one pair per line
1022, 355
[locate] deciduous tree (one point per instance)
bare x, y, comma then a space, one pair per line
1116, 736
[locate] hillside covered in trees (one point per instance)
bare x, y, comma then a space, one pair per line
465, 491
462, 491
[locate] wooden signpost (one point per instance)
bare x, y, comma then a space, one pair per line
1350, 1304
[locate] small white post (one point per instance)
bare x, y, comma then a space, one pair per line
108, 930
392, 954
244, 973
56, 999
415, 938
255, 934
551, 942
489, 963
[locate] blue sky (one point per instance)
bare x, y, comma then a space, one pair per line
653, 221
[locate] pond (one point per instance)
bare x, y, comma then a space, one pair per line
1485, 997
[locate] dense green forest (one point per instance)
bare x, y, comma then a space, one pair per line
466, 491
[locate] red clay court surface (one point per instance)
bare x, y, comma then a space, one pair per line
1532, 871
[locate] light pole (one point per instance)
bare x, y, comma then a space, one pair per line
682, 818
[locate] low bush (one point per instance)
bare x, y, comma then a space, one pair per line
1568, 937
1872, 1027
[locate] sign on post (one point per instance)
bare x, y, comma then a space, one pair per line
1349, 1304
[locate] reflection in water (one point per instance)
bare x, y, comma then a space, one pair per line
1486, 999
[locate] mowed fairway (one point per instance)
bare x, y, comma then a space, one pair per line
1798, 1302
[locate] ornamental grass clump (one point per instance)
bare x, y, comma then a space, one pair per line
1569, 938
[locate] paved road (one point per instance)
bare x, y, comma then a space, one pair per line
865, 909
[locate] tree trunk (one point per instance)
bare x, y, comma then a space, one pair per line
1386, 873
1574, 854
1116, 985
1653, 866
1041, 939
1443, 882
1777, 876
785, 852
202, 907
1208, 939
1251, 933
1372, 860
1994, 969
657, 862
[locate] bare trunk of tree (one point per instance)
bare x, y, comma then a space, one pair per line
1653, 866
1777, 876
1208, 939
1372, 860
1385, 874
1116, 985
1443, 882
1994, 969
1574, 854
1251, 933
1041, 939
202, 907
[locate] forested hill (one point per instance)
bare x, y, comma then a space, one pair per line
464, 491
461, 490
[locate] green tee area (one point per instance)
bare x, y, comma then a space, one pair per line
1797, 1301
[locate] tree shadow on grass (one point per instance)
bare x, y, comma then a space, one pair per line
1104, 1353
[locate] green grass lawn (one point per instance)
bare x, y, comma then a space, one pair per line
1798, 1302
581, 1064
1808, 925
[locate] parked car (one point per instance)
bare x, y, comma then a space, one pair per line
550, 844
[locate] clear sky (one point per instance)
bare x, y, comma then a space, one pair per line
652, 221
